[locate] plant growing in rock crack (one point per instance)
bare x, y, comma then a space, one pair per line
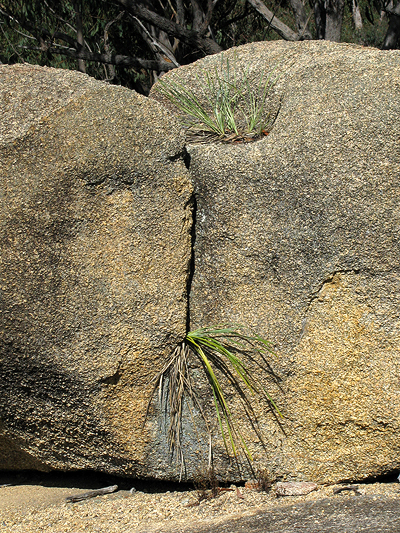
222, 351
230, 109
206, 483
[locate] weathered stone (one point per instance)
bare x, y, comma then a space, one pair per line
298, 236
369, 514
95, 212
295, 488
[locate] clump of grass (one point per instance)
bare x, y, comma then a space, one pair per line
264, 482
220, 351
230, 109
206, 483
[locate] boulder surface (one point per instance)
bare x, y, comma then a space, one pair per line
95, 247
298, 237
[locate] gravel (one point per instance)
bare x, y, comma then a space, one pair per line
148, 512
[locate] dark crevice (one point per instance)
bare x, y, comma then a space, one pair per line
92, 479
390, 477
114, 379
186, 158
184, 155
192, 261
89, 479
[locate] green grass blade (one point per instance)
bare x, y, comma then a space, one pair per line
223, 350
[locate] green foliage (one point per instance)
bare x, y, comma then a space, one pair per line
30, 32
20, 36
223, 352
228, 106
374, 26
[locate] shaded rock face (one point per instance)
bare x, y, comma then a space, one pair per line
95, 248
298, 236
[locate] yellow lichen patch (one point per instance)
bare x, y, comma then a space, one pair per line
342, 390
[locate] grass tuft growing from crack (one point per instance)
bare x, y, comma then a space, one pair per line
224, 351
230, 109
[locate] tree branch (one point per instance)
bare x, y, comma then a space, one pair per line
171, 28
110, 59
207, 18
281, 29
154, 45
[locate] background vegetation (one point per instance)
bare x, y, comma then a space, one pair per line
132, 43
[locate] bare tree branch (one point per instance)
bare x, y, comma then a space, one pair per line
171, 28
198, 15
110, 59
281, 29
154, 45
180, 13
207, 17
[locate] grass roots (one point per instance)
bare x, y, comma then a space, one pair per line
221, 351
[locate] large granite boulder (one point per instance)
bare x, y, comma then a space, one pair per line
95, 247
298, 236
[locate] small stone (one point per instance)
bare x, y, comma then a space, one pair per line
295, 488
133, 490
252, 485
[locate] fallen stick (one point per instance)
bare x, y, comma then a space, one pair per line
354, 488
91, 494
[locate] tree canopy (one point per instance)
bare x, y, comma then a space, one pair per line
133, 42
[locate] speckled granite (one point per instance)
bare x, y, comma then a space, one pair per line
298, 236
95, 211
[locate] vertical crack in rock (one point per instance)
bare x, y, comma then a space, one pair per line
184, 155
193, 202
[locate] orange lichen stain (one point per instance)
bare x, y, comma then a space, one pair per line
333, 284
124, 406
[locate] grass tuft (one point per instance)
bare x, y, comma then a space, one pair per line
221, 351
230, 109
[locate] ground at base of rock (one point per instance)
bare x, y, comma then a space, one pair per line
43, 508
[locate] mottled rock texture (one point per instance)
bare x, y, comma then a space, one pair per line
298, 236
95, 246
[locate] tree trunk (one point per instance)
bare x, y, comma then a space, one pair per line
334, 18
320, 19
328, 16
392, 37
358, 24
79, 34
301, 19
